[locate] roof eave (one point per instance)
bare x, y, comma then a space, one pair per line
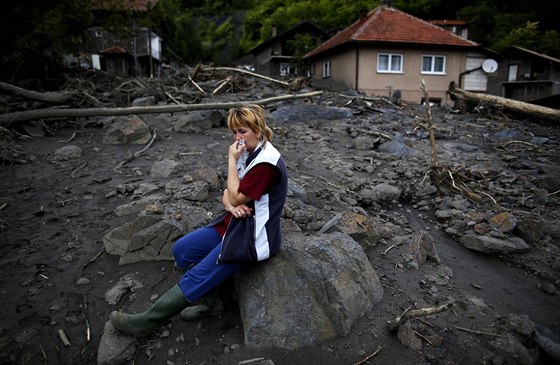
356, 43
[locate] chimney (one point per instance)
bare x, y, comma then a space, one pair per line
273, 31
388, 3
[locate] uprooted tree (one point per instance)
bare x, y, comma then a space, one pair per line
516, 106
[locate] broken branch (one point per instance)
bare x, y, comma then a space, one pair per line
63, 337
245, 72
422, 312
196, 85
49, 97
137, 153
366, 359
73, 174
430, 124
479, 332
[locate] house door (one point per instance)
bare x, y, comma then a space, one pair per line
512, 75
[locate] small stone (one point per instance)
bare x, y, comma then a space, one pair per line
83, 281
549, 288
504, 222
481, 228
154, 209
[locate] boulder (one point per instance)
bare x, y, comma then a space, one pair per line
125, 130
150, 237
396, 146
493, 245
113, 348
382, 193
316, 288
136, 206
198, 121
165, 168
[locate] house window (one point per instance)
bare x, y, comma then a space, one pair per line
512, 73
327, 69
433, 64
392, 63
286, 69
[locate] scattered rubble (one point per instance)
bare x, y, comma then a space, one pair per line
442, 223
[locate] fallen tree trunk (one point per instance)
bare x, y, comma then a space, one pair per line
516, 106
48, 97
10, 118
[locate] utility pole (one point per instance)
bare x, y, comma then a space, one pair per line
135, 56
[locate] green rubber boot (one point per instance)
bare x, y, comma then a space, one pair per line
209, 305
142, 324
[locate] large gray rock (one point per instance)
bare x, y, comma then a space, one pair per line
314, 289
382, 193
198, 121
207, 174
151, 237
136, 206
396, 146
363, 143
309, 112
493, 245
125, 130
115, 349
195, 191
165, 168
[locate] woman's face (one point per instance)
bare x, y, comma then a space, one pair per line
245, 133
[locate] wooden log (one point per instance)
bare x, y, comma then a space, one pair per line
44, 114
516, 106
48, 97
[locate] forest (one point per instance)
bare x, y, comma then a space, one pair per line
36, 34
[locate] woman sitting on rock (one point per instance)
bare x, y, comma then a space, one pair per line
248, 231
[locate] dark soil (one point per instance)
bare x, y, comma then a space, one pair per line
53, 218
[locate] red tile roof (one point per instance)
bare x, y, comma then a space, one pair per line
389, 25
135, 5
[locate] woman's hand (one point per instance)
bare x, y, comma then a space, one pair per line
241, 211
235, 150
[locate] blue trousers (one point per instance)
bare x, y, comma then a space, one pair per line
201, 248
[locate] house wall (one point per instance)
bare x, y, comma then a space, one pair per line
475, 80
262, 61
343, 66
528, 84
342, 72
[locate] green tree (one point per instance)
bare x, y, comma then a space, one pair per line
301, 45
282, 15
36, 34
531, 38
481, 21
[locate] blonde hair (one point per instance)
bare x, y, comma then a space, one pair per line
250, 116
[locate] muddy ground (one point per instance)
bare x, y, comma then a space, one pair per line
54, 272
